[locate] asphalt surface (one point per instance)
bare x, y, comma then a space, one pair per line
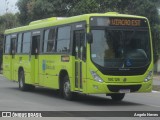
42, 99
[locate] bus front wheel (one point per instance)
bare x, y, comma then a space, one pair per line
67, 94
117, 97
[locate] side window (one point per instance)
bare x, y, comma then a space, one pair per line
49, 40
7, 47
19, 43
63, 39
26, 42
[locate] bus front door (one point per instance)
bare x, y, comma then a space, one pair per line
34, 59
80, 58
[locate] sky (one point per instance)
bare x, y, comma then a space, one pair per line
11, 6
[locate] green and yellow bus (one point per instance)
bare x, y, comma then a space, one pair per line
107, 53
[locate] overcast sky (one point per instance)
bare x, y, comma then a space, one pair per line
11, 6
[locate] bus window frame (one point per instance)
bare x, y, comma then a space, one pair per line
13, 36
70, 49
43, 35
17, 43
36, 34
23, 40
4, 45
74, 28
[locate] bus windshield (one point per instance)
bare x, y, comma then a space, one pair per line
121, 48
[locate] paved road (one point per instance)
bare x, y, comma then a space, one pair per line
12, 99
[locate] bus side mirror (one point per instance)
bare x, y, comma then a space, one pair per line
89, 38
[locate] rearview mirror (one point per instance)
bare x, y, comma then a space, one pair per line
89, 38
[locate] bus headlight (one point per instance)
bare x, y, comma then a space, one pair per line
96, 76
149, 76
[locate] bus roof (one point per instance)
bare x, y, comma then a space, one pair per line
53, 21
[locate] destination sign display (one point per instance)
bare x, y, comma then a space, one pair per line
118, 21
125, 22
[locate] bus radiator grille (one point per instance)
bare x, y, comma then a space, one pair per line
117, 88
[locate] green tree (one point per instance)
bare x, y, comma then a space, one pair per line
23, 15
7, 21
38, 9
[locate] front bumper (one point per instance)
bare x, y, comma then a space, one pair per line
94, 87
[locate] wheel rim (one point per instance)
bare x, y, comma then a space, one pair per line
67, 89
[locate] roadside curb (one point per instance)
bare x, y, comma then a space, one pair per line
155, 91
156, 87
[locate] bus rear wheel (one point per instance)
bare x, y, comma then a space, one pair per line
22, 85
117, 96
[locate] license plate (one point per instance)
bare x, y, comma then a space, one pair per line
124, 91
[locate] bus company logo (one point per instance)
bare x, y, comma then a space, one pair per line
6, 114
43, 65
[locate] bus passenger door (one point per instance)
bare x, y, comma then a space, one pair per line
80, 58
34, 58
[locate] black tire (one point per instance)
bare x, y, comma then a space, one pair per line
118, 96
21, 82
67, 94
